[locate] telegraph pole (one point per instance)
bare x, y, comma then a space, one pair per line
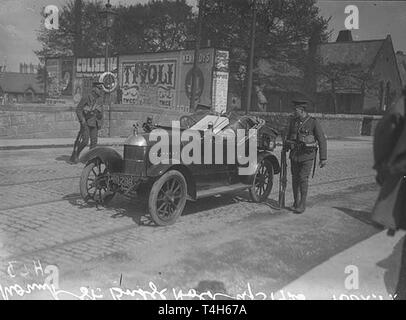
77, 44
251, 57
201, 6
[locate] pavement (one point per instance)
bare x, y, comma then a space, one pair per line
17, 144
368, 270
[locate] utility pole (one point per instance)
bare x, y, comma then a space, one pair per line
77, 44
108, 14
404, 102
201, 6
251, 57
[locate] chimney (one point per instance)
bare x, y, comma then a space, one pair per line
344, 36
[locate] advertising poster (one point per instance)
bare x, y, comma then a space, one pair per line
222, 59
220, 91
150, 83
92, 67
53, 89
203, 77
67, 78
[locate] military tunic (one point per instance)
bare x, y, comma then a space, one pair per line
90, 114
304, 128
302, 158
90, 110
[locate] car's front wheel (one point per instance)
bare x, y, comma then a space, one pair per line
94, 183
168, 198
263, 181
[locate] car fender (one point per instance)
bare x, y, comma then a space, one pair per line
156, 171
109, 156
272, 158
260, 157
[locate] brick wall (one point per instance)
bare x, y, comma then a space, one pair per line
40, 121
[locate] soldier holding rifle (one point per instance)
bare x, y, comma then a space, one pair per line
90, 115
305, 136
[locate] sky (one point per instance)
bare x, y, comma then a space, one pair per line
19, 20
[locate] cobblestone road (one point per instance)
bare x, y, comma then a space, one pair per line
43, 218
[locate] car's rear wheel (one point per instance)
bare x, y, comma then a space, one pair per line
94, 183
262, 182
168, 198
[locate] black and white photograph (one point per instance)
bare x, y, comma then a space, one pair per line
214, 151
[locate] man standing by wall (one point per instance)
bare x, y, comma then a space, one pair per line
305, 136
90, 115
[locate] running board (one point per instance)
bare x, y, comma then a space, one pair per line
220, 190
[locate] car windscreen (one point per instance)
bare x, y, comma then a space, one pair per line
218, 123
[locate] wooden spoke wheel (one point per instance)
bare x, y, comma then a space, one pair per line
94, 183
168, 198
263, 182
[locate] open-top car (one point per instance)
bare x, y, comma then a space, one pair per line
169, 184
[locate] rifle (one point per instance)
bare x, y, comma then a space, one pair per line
283, 180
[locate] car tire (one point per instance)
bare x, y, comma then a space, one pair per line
263, 181
167, 199
93, 184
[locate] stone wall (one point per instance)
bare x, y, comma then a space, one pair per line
41, 121
37, 121
334, 125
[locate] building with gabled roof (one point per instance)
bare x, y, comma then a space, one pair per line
20, 87
345, 76
357, 76
401, 59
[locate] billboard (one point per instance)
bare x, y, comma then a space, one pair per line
203, 76
67, 77
60, 77
164, 79
149, 82
52, 67
94, 67
88, 70
220, 91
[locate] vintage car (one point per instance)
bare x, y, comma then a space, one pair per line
168, 185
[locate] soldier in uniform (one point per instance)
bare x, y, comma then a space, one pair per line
90, 115
304, 137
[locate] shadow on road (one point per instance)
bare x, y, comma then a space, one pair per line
63, 158
363, 216
395, 271
212, 288
137, 208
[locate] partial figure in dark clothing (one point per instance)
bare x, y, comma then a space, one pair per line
305, 137
390, 164
90, 115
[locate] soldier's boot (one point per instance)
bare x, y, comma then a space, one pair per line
303, 197
296, 194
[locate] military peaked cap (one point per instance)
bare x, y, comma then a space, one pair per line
303, 104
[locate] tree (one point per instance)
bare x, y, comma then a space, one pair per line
284, 28
156, 26
333, 76
79, 23
152, 27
